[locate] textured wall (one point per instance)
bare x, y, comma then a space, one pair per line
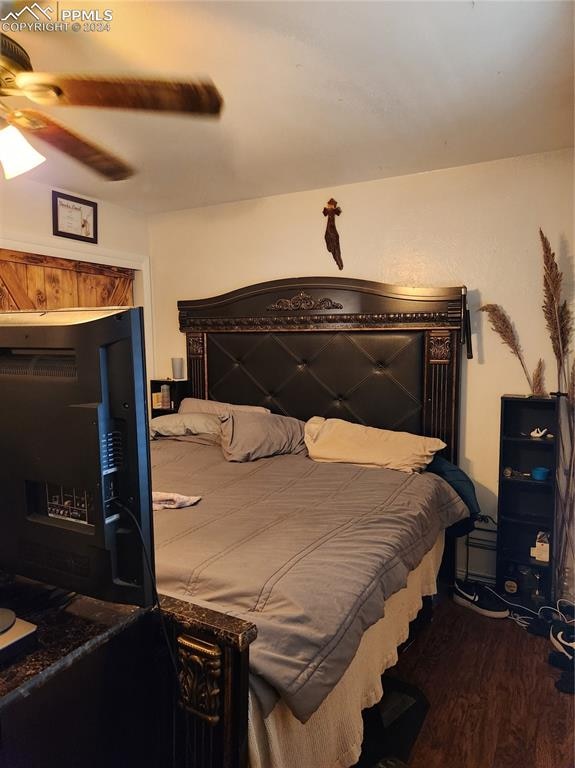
475, 225
26, 225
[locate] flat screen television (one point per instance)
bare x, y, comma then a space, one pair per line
74, 452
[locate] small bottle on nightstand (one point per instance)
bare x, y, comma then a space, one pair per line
165, 392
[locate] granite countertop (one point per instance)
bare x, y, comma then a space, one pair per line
222, 626
69, 627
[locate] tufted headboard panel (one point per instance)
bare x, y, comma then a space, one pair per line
372, 378
334, 347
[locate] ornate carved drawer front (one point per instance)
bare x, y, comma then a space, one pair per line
200, 678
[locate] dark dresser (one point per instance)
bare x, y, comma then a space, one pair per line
95, 691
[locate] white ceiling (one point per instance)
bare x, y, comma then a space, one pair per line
317, 93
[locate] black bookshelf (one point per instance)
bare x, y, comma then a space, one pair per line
526, 506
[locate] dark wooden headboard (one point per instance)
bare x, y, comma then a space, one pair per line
367, 352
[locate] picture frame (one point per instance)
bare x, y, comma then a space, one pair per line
74, 217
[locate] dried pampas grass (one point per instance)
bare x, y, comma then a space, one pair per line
538, 383
558, 317
559, 321
503, 327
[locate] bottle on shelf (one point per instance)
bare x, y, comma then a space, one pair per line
165, 396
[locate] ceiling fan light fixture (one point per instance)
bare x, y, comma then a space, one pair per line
18, 79
17, 155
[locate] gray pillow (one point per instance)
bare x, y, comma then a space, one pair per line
178, 424
250, 436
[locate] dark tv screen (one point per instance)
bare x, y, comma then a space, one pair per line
74, 457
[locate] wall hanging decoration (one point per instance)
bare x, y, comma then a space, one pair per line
74, 217
332, 210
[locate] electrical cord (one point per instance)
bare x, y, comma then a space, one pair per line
508, 602
486, 519
571, 604
519, 616
521, 621
156, 596
154, 592
557, 610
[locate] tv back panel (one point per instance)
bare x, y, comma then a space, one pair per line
74, 456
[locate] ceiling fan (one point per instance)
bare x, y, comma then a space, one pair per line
18, 79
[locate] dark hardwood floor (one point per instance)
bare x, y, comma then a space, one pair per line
492, 695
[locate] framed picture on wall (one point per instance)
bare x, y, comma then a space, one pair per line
74, 217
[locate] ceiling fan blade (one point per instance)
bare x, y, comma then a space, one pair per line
43, 127
197, 97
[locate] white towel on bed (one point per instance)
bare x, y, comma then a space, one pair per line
163, 500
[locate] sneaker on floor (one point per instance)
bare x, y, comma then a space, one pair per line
562, 637
561, 661
471, 594
538, 626
566, 683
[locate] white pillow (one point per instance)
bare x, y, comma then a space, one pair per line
340, 441
179, 424
197, 405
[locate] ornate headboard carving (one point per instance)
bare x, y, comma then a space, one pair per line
378, 354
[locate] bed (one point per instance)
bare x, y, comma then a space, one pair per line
334, 347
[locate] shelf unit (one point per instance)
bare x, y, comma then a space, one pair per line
526, 506
178, 388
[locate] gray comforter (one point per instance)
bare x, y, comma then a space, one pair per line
308, 552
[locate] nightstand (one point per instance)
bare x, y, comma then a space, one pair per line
178, 389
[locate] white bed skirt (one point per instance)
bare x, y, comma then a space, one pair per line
332, 736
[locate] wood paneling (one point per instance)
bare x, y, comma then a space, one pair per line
6, 303
14, 286
33, 281
36, 285
95, 290
61, 288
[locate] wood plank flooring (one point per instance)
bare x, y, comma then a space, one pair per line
492, 695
